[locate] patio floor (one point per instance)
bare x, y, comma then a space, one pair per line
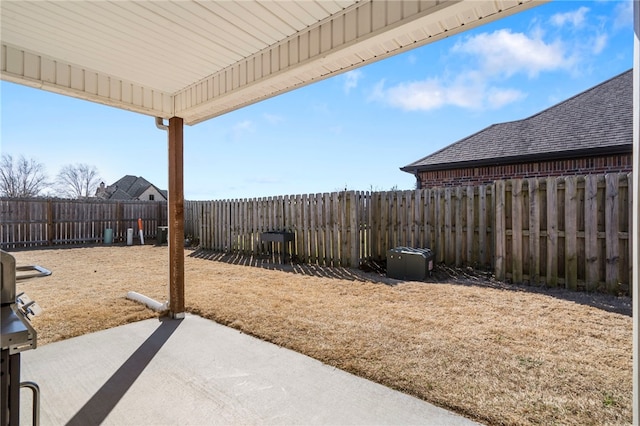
195, 372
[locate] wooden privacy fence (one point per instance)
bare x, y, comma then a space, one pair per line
568, 231
572, 231
46, 221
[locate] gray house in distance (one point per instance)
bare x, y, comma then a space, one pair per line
591, 132
131, 188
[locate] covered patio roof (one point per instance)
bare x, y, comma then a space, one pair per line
200, 59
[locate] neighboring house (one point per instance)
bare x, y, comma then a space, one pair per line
591, 132
131, 188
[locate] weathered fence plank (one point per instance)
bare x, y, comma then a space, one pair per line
534, 231
611, 233
516, 230
571, 233
500, 230
483, 251
552, 232
470, 226
592, 278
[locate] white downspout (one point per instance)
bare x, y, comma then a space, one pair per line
160, 124
137, 297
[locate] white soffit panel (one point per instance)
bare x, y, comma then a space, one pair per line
201, 59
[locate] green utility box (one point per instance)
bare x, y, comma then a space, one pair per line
406, 263
161, 235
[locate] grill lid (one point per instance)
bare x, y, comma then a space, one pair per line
16, 332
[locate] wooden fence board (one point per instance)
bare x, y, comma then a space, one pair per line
516, 229
458, 249
534, 231
482, 225
500, 230
552, 232
470, 231
611, 237
592, 278
353, 255
429, 219
417, 239
448, 211
571, 233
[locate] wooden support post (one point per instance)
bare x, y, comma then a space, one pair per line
636, 216
176, 218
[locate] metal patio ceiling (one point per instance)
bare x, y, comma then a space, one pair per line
201, 59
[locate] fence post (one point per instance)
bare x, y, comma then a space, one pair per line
500, 231
471, 226
591, 232
482, 224
552, 232
611, 235
50, 228
534, 230
354, 255
516, 231
570, 233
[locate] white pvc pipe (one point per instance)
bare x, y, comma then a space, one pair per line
149, 302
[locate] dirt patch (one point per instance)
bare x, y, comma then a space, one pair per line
497, 353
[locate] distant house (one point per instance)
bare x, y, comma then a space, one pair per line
591, 132
131, 188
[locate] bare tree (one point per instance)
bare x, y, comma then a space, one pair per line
77, 181
21, 178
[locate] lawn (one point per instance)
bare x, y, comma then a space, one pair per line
494, 352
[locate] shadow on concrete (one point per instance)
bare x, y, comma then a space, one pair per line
96, 410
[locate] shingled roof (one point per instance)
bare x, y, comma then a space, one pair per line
595, 122
129, 188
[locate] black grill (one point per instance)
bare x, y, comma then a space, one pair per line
17, 335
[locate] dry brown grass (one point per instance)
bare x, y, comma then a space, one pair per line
495, 353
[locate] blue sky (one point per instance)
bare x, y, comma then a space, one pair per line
351, 131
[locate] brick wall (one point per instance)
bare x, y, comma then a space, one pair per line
621, 163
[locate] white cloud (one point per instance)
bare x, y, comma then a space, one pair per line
599, 43
242, 127
482, 64
421, 95
351, 79
468, 91
497, 98
575, 18
273, 118
623, 14
505, 53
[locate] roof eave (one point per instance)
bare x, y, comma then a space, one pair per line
592, 152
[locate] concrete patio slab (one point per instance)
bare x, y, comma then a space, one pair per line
197, 372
